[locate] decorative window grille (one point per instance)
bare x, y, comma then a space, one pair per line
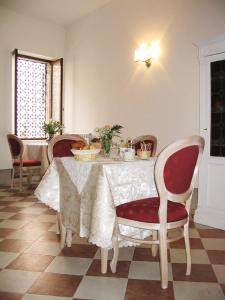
38, 94
31, 98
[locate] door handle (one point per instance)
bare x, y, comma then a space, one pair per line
205, 129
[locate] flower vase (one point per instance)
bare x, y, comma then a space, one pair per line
50, 136
106, 145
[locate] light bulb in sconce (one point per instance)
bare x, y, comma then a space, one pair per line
146, 53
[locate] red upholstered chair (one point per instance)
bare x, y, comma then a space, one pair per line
147, 139
175, 172
19, 164
60, 145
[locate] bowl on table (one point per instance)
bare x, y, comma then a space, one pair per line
85, 155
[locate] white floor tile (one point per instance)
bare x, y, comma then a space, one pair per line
220, 273
69, 265
46, 218
147, 270
6, 258
197, 256
45, 248
21, 204
101, 288
213, 244
17, 281
197, 291
33, 210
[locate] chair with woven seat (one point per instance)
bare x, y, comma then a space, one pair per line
60, 145
175, 173
19, 164
147, 139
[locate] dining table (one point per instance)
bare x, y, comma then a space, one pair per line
86, 193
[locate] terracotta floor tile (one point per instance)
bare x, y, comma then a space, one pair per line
199, 273
4, 232
211, 233
50, 212
10, 296
121, 271
6, 203
11, 209
39, 204
191, 224
55, 285
145, 254
29, 199
31, 262
216, 256
148, 289
82, 299
14, 245
80, 251
194, 244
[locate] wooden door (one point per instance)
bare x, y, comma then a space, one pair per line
211, 199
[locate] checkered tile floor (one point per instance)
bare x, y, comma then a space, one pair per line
33, 267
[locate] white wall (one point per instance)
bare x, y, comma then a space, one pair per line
105, 86
24, 33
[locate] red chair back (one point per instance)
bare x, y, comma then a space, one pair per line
63, 148
15, 145
61, 145
179, 169
176, 169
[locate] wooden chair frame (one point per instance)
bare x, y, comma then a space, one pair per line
160, 230
20, 168
54, 140
144, 138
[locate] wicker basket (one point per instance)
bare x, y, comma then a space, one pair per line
85, 155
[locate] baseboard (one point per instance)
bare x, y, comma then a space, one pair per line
210, 217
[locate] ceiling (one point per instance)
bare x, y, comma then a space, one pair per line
61, 12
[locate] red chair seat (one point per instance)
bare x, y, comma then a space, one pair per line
146, 210
27, 163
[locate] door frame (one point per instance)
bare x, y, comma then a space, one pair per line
206, 213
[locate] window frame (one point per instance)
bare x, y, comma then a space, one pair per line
17, 55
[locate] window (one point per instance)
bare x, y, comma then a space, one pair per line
38, 94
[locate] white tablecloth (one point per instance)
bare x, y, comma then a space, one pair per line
89, 192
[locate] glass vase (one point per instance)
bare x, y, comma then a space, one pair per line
106, 145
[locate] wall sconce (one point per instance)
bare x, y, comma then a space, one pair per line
146, 53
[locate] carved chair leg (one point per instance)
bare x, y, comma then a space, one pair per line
187, 248
58, 223
21, 179
154, 246
113, 263
69, 237
63, 236
12, 177
104, 260
163, 258
29, 178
